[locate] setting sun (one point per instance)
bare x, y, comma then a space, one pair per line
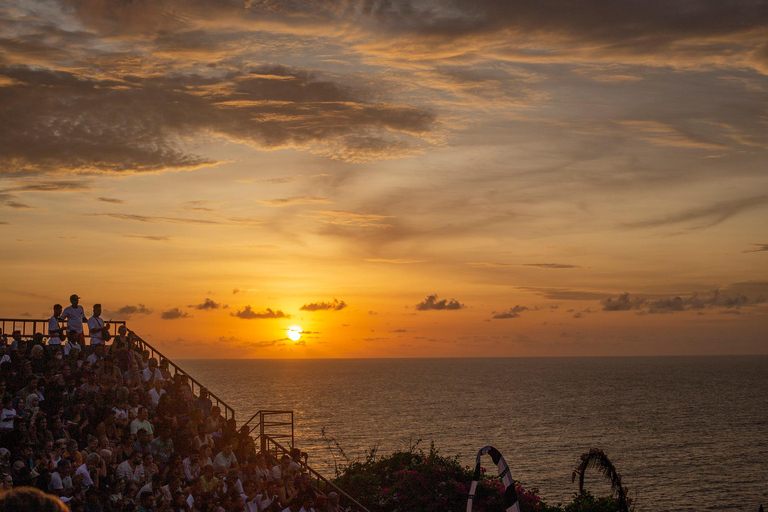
294, 332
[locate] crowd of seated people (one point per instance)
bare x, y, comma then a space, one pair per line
107, 428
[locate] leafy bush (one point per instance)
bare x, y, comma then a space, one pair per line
418, 481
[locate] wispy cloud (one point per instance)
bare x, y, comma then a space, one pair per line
483, 264
51, 186
510, 313
565, 293
147, 218
395, 261
705, 217
760, 248
363, 220
152, 238
111, 200
198, 206
288, 201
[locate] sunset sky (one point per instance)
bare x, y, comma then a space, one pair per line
398, 178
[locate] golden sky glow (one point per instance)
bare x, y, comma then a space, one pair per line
408, 179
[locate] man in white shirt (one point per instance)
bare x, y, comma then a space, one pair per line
96, 326
192, 467
132, 469
226, 458
142, 422
61, 481
54, 331
75, 316
89, 468
151, 374
97, 356
156, 392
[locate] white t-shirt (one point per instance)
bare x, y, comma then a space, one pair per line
155, 396
83, 470
74, 318
146, 375
6, 418
94, 323
53, 326
124, 471
59, 484
224, 462
136, 425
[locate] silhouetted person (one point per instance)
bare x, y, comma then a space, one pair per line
96, 326
75, 317
55, 333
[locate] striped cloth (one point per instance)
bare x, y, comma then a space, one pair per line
511, 504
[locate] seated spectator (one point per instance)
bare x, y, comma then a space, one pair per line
192, 467
150, 468
203, 402
226, 458
97, 355
142, 443
151, 374
132, 470
156, 392
61, 479
162, 446
7, 415
209, 481
141, 422
89, 471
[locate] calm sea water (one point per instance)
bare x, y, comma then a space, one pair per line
686, 433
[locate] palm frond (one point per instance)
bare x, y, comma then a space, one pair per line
597, 459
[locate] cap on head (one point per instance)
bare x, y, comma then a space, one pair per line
74, 296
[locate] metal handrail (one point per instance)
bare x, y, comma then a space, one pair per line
228, 410
320, 478
44, 322
263, 424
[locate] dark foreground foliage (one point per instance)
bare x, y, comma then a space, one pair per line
417, 481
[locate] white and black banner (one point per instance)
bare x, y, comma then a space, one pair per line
511, 503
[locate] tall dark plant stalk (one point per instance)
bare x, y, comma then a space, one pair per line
597, 459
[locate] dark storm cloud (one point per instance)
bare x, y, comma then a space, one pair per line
248, 314
707, 216
431, 302
207, 304
336, 305
510, 313
173, 314
64, 122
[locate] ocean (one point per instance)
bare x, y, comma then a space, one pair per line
685, 433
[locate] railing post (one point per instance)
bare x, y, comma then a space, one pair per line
261, 434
